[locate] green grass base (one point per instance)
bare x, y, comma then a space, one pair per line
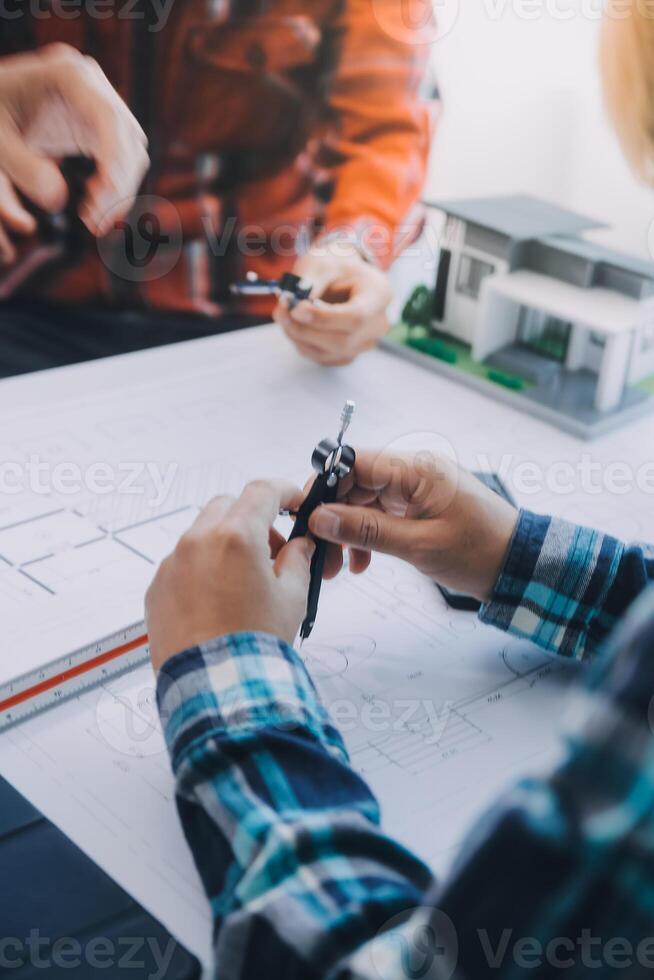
454, 352
646, 385
434, 347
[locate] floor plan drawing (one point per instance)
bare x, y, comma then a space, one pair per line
438, 712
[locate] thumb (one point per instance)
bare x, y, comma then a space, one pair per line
365, 528
317, 274
293, 563
38, 178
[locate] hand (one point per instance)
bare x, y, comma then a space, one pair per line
424, 509
231, 572
55, 102
347, 314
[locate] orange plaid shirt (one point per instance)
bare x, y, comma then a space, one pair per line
270, 122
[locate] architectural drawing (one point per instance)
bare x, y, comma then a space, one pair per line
438, 712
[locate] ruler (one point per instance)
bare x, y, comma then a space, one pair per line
69, 675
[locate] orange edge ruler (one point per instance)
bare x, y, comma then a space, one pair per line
64, 678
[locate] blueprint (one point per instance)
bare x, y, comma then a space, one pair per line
439, 712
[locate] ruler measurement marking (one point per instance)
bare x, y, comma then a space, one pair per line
70, 673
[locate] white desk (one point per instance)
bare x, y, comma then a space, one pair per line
211, 413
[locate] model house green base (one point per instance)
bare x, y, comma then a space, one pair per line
530, 312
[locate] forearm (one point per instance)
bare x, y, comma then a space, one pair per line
564, 586
568, 855
285, 835
303, 884
558, 875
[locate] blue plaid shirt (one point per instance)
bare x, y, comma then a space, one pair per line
304, 883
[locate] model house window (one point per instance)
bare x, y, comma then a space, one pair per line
471, 273
597, 339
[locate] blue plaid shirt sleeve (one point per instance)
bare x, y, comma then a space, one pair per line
304, 885
564, 586
285, 834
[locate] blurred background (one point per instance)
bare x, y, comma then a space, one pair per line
522, 113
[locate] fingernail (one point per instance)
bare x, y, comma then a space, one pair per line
326, 524
310, 548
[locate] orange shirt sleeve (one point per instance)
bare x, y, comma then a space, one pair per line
378, 153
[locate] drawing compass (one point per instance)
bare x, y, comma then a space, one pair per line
332, 461
290, 287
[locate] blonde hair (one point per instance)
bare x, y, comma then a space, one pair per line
627, 63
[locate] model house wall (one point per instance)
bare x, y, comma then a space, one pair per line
642, 359
471, 261
518, 282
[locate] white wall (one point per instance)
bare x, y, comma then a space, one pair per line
523, 112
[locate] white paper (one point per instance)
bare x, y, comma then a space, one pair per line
439, 712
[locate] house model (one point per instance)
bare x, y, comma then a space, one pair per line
527, 309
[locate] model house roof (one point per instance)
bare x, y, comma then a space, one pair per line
602, 310
517, 217
599, 255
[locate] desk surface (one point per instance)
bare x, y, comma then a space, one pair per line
54, 891
210, 414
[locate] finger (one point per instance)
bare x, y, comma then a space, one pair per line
336, 347
321, 316
12, 213
279, 312
212, 515
7, 250
402, 482
320, 278
110, 195
325, 340
329, 350
357, 496
333, 561
359, 560
38, 178
293, 563
301, 314
302, 335
316, 354
365, 529
325, 360
364, 303
104, 129
334, 555
334, 360
276, 542
260, 503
